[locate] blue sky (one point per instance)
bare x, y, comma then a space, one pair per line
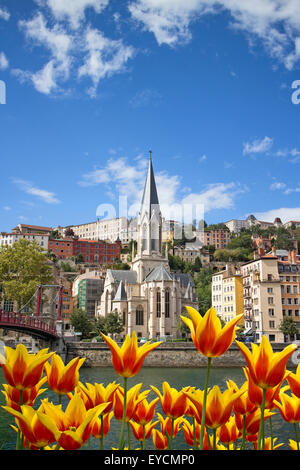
92, 85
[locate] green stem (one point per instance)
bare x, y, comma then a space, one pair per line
214, 439
244, 433
296, 433
144, 438
101, 438
20, 439
128, 434
194, 427
170, 440
261, 434
121, 444
271, 432
204, 403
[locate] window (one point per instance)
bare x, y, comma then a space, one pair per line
139, 315
295, 289
167, 303
270, 290
271, 312
158, 304
272, 324
270, 300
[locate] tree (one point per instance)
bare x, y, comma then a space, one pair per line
203, 289
114, 323
54, 234
69, 232
82, 323
23, 266
288, 327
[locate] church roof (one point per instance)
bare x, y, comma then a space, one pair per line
159, 274
123, 275
184, 278
121, 293
150, 197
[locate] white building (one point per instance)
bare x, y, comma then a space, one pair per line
10, 238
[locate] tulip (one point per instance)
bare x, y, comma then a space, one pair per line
127, 362
191, 433
144, 411
38, 432
266, 368
96, 394
293, 445
211, 340
166, 426
252, 421
74, 425
63, 379
289, 407
160, 441
269, 444
100, 426
228, 433
294, 381
142, 432
173, 402
29, 395
23, 370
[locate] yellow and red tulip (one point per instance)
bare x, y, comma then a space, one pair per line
208, 336
97, 394
22, 369
294, 381
100, 427
267, 369
142, 432
29, 395
128, 360
228, 433
160, 440
173, 402
134, 397
63, 379
144, 411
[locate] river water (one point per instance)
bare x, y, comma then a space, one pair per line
176, 377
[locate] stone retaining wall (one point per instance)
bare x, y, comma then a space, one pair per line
167, 355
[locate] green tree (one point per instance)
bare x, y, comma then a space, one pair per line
82, 323
288, 327
203, 289
23, 266
55, 234
113, 323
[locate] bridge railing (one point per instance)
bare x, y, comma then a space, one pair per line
25, 321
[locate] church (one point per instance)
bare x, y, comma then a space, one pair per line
148, 297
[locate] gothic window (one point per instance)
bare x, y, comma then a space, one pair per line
167, 303
144, 238
158, 304
139, 315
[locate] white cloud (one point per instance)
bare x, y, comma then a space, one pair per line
104, 57
128, 180
74, 10
145, 97
6, 208
284, 213
258, 146
277, 185
275, 23
4, 14
3, 61
26, 186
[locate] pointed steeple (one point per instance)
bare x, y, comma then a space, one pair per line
150, 197
121, 293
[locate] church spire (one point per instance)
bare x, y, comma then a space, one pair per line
150, 198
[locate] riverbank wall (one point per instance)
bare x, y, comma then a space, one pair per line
183, 355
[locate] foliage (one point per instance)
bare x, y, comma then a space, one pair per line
113, 323
82, 323
288, 327
23, 267
203, 289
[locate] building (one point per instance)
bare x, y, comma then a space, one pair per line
24, 228
190, 253
236, 225
108, 230
10, 238
92, 251
292, 223
218, 238
227, 293
87, 290
149, 297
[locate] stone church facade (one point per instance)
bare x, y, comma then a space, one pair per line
149, 297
